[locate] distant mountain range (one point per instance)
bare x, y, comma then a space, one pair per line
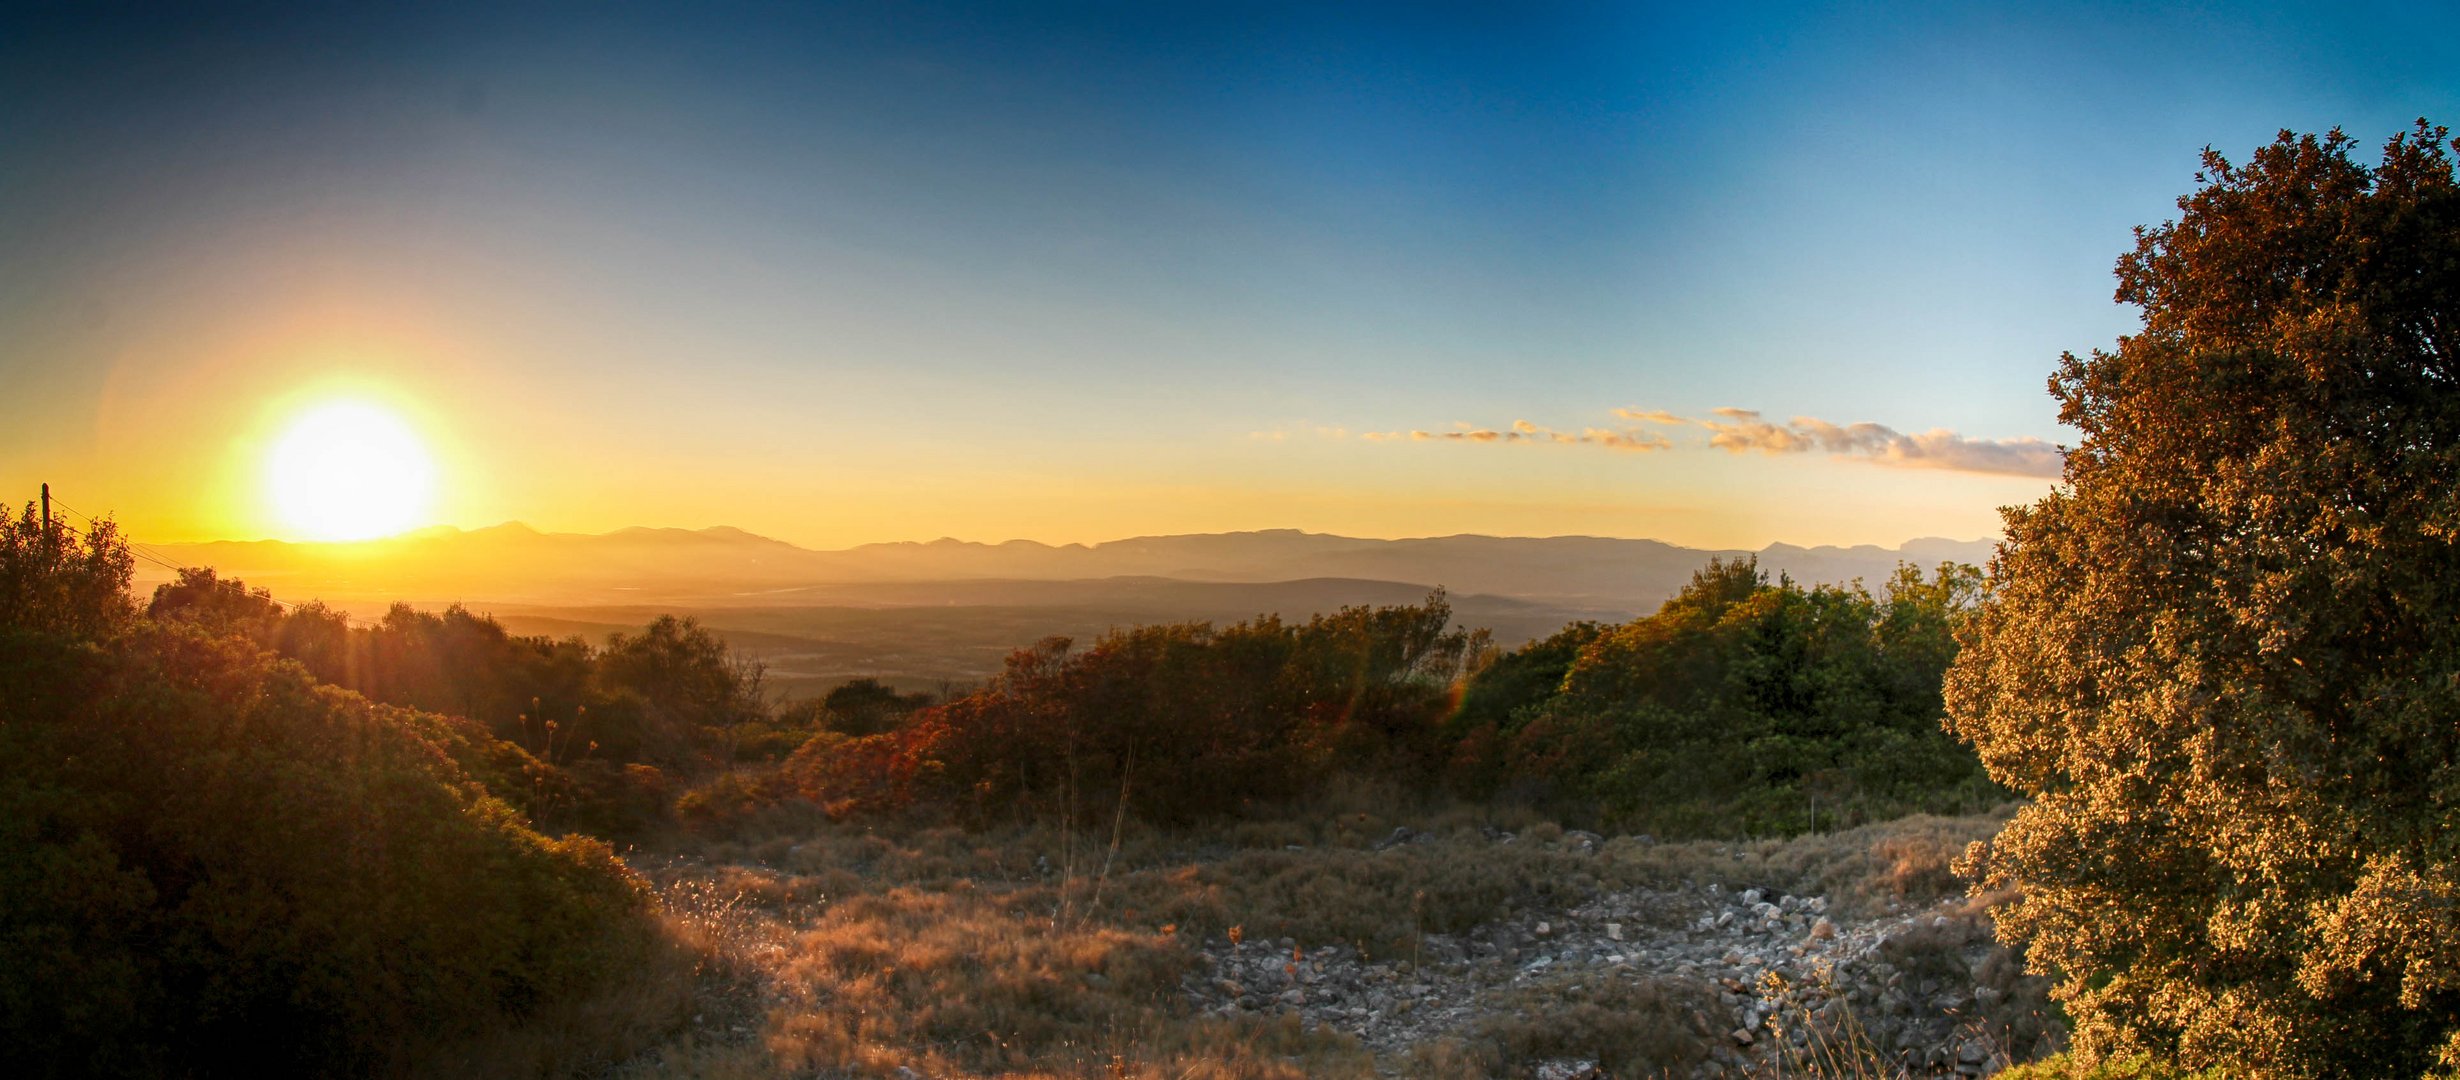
514, 563
945, 613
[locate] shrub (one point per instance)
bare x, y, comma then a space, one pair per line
2137, 1067
1178, 722
1740, 708
210, 863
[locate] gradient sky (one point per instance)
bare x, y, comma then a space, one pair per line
1077, 272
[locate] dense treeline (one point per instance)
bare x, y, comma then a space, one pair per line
1743, 706
1182, 721
211, 863
606, 735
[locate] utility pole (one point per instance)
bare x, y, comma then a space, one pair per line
46, 509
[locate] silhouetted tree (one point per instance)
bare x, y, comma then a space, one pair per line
672, 690
867, 707
200, 596
1183, 720
210, 864
55, 580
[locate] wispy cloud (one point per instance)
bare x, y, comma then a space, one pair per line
1649, 416
1743, 430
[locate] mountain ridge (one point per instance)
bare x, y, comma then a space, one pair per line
515, 562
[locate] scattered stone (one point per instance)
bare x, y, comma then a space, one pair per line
1729, 941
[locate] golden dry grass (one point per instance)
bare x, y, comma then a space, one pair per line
957, 981
845, 950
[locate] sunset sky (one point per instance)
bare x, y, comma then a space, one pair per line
1080, 272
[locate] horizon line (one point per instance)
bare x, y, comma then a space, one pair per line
439, 531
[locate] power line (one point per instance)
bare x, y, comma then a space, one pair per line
134, 548
62, 525
154, 555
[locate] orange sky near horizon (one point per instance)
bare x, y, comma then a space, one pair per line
178, 448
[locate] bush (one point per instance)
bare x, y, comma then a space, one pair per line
2070, 1067
209, 863
1178, 722
1740, 708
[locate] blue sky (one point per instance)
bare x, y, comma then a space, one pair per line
1076, 272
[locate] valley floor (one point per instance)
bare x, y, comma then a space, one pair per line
1346, 943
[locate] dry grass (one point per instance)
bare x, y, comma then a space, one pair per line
844, 950
954, 980
588, 1036
1632, 1029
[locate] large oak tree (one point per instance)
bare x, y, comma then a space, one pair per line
2222, 658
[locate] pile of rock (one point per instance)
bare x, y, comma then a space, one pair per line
1787, 979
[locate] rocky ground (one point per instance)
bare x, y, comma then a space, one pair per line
841, 952
1780, 983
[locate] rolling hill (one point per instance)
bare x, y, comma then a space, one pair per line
947, 611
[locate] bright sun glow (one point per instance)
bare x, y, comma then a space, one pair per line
349, 470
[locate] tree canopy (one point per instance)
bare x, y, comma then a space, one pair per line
2222, 658
1175, 722
1743, 706
212, 864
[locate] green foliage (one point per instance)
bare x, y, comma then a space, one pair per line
2221, 658
1180, 721
1739, 707
210, 863
2139, 1067
679, 689
861, 707
1496, 703
534, 691
575, 737
1510, 681
54, 581
228, 607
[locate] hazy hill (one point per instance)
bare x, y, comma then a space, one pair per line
921, 614
514, 563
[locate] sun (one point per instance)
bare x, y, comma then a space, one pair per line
349, 470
